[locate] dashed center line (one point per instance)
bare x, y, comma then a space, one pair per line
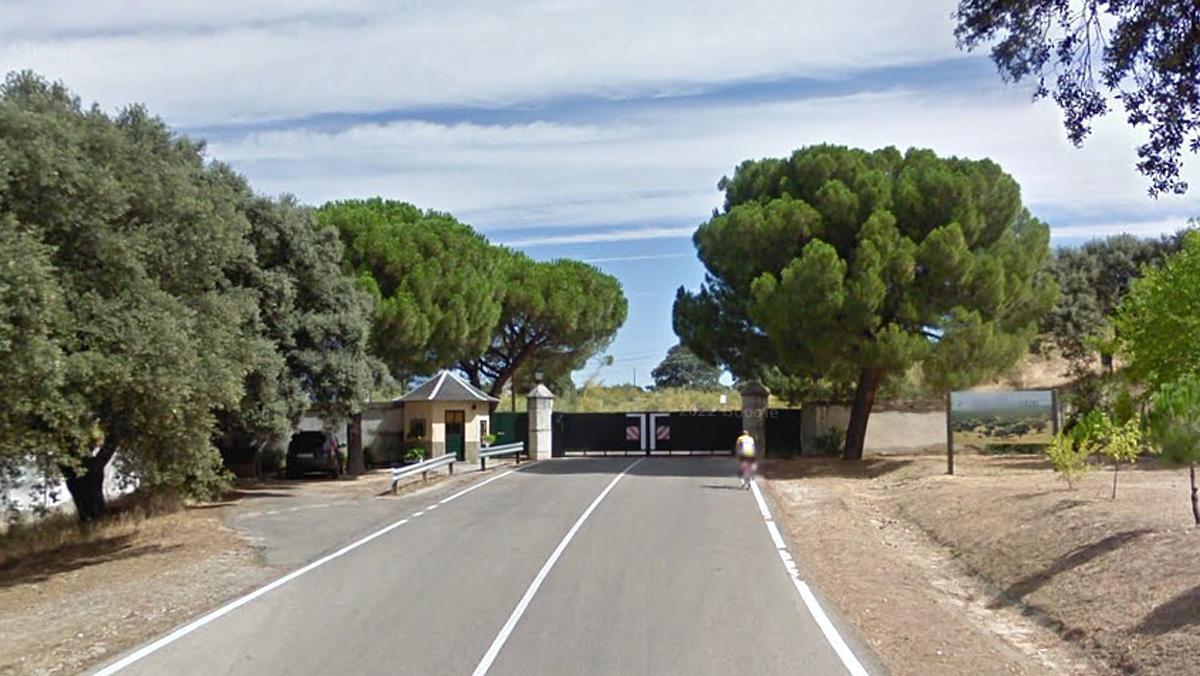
238, 603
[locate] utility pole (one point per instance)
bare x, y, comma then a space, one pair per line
635, 376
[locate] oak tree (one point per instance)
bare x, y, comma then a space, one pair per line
1145, 54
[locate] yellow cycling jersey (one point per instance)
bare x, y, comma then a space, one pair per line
745, 446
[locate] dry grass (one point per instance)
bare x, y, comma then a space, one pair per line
44, 537
1114, 580
69, 600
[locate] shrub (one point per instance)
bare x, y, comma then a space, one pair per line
1122, 443
831, 440
1068, 454
1174, 425
414, 454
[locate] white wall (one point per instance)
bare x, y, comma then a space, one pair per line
23, 498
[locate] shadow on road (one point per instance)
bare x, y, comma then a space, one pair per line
662, 466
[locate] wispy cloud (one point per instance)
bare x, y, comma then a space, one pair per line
1150, 228
656, 160
200, 62
660, 165
624, 235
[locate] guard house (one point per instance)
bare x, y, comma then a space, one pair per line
446, 414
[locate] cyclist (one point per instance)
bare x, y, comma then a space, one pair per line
747, 456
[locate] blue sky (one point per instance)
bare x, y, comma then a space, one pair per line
583, 128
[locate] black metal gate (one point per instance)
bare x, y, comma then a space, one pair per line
654, 433
646, 433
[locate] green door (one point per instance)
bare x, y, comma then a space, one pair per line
455, 431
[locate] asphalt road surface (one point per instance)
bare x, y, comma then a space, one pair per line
579, 566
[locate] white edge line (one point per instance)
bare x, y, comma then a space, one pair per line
775, 536
468, 489
490, 656
849, 660
238, 603
762, 504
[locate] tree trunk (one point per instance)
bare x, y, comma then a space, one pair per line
1195, 502
1116, 468
864, 399
498, 384
472, 371
86, 485
355, 465
1106, 360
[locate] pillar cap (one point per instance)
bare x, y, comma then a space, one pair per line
755, 388
540, 392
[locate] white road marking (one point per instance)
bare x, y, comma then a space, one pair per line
775, 536
810, 600
506, 630
238, 603
481, 484
431, 507
416, 514
762, 504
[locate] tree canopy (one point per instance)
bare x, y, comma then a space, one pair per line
134, 312
447, 298
682, 368
432, 277
315, 319
1093, 278
844, 265
554, 317
1147, 52
1158, 322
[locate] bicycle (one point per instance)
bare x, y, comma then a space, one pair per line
746, 472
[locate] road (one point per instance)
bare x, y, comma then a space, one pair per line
580, 566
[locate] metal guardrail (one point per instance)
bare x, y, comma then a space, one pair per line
504, 449
422, 468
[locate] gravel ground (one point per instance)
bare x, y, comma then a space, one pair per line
62, 614
921, 610
1001, 568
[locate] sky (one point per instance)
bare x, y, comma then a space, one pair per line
589, 129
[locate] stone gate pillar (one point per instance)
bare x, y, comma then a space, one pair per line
540, 402
754, 414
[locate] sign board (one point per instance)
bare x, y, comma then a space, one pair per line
1000, 418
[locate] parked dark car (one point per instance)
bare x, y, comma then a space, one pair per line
313, 452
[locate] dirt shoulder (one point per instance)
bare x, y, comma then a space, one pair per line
60, 613
1000, 569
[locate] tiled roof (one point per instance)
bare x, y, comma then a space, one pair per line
446, 386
